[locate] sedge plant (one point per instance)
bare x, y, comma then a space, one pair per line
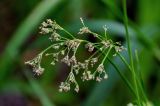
65, 50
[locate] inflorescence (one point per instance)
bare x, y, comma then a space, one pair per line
67, 50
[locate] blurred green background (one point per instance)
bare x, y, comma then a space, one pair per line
20, 41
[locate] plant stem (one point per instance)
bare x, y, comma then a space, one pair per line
123, 77
140, 81
106, 54
129, 51
124, 60
49, 48
69, 33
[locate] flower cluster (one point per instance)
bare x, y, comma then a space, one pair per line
65, 86
35, 63
92, 68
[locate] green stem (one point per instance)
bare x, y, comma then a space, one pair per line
105, 34
123, 77
93, 54
106, 54
129, 51
140, 81
68, 33
97, 35
124, 60
127, 33
48, 48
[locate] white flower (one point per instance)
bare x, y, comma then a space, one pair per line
55, 36
87, 75
56, 46
106, 76
62, 52
105, 27
106, 43
38, 70
72, 43
53, 63
84, 30
93, 61
100, 68
64, 86
82, 65
44, 24
45, 31
73, 60
36, 65
76, 88
49, 21
98, 79
119, 48
90, 47
66, 60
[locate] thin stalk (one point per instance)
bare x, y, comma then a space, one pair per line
64, 38
140, 81
69, 33
105, 33
93, 54
107, 54
97, 35
128, 84
48, 48
129, 51
124, 60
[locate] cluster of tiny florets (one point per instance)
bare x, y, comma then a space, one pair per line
35, 63
65, 86
92, 68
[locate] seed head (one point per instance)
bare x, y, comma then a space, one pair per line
38, 70
76, 88
45, 30
49, 21
94, 61
87, 75
119, 48
44, 24
66, 60
84, 30
106, 76
54, 36
64, 86
106, 43
100, 68
73, 60
90, 47
36, 65
98, 79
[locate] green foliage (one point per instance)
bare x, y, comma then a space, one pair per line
118, 90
